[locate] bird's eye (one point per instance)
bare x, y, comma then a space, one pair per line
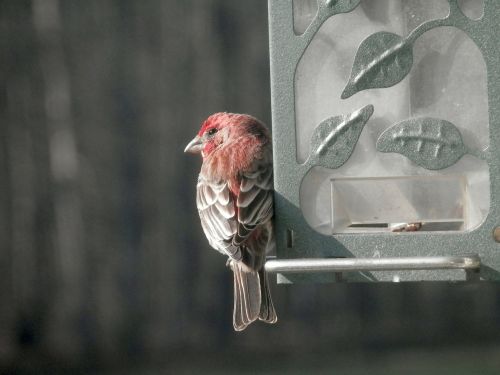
212, 131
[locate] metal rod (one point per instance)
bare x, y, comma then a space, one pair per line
472, 262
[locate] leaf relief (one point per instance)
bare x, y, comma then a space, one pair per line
382, 60
335, 138
339, 6
429, 142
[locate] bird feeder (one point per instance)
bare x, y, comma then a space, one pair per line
386, 139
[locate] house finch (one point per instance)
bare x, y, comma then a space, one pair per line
235, 202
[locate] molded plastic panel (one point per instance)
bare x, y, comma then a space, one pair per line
386, 90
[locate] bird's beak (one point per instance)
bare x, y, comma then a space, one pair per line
195, 146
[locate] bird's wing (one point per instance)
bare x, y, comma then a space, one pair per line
228, 222
217, 211
255, 210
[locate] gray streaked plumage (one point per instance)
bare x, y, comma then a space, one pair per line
235, 236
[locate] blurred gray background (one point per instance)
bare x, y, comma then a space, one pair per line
103, 264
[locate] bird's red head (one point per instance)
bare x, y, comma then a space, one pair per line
221, 129
214, 122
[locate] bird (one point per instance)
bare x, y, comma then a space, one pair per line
234, 198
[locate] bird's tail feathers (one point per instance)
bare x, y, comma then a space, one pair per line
267, 312
252, 298
246, 296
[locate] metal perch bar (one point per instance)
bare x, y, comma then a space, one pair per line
467, 263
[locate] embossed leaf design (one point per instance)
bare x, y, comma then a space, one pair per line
382, 60
334, 139
339, 6
429, 142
